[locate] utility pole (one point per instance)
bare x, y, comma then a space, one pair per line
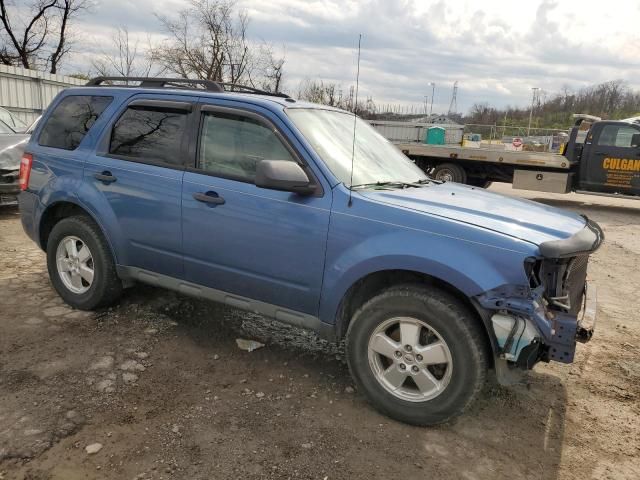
433, 92
504, 124
533, 100
453, 106
426, 104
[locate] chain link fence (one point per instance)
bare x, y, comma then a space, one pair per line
533, 139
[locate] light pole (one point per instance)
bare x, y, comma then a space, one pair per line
533, 100
426, 104
433, 91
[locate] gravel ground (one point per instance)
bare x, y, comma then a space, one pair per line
157, 388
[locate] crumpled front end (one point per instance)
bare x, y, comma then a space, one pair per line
9, 186
11, 150
543, 321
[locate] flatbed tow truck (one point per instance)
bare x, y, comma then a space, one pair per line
601, 157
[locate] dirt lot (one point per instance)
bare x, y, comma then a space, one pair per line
161, 384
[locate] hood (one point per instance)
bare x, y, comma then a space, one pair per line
523, 219
11, 149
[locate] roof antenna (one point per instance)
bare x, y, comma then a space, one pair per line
355, 117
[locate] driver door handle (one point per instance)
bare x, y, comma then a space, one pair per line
105, 177
209, 197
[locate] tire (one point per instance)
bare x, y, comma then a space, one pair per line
479, 182
448, 322
449, 172
104, 287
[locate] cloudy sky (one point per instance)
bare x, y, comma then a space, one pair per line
496, 49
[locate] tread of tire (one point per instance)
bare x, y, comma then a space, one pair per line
429, 294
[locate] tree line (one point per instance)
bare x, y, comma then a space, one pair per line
608, 100
208, 40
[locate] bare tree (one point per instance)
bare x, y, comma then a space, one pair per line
271, 70
67, 10
37, 35
124, 58
208, 40
317, 91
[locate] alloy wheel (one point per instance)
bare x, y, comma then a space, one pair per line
74, 263
410, 359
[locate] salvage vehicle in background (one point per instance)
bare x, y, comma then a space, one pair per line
12, 122
276, 206
12, 145
602, 157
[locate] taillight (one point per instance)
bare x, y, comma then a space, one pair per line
25, 170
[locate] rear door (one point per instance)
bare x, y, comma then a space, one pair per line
260, 244
612, 162
137, 169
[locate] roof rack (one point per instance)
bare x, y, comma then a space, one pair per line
186, 83
235, 87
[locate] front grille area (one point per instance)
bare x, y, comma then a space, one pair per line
564, 281
574, 281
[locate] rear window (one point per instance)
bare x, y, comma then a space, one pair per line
617, 136
71, 120
149, 134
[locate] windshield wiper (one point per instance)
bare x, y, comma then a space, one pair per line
389, 184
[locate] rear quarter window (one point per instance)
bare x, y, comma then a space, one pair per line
71, 119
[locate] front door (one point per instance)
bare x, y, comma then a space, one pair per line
138, 170
265, 245
613, 161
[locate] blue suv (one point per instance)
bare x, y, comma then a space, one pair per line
305, 214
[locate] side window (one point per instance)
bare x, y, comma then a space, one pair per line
71, 120
149, 134
232, 145
618, 136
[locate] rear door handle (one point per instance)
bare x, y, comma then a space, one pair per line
209, 197
105, 177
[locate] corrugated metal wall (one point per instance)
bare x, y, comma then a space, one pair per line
408, 132
26, 93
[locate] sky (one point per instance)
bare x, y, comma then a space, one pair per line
497, 50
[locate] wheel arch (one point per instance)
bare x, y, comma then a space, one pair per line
374, 283
59, 210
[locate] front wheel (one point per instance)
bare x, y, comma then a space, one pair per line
417, 353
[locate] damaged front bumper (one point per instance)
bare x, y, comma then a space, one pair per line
9, 192
526, 330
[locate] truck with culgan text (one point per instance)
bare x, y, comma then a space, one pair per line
601, 157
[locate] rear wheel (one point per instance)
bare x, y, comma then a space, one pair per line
80, 264
417, 353
449, 172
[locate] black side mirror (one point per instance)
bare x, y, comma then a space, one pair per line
283, 175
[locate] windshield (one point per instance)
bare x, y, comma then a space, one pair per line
376, 159
4, 128
13, 122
